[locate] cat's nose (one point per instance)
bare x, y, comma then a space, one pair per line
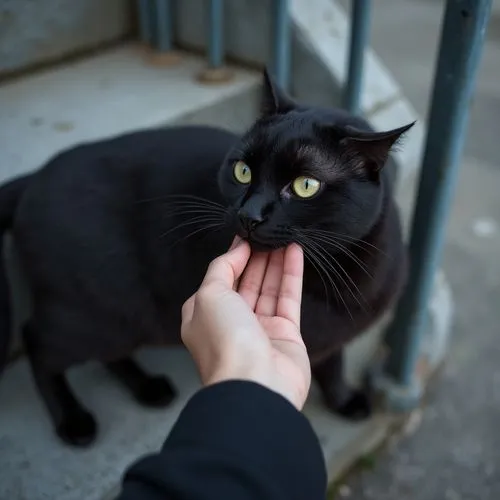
249, 222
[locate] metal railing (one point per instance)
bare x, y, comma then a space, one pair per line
462, 37
155, 29
360, 28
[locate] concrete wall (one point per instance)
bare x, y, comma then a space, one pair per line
247, 27
35, 32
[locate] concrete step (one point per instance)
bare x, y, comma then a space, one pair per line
112, 93
34, 465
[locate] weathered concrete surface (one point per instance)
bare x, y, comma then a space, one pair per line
37, 32
455, 453
112, 93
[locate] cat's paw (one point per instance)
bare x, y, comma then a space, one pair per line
356, 406
78, 429
156, 392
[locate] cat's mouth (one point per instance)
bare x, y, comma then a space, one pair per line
261, 244
258, 246
261, 237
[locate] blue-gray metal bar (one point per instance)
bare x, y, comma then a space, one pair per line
164, 24
282, 43
462, 38
216, 37
360, 32
145, 20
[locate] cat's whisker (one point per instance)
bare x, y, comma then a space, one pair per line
195, 220
187, 206
354, 258
314, 254
187, 197
204, 228
305, 242
321, 252
344, 250
194, 211
311, 259
193, 203
309, 253
354, 243
181, 197
333, 233
343, 237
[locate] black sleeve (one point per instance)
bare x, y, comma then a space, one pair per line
234, 440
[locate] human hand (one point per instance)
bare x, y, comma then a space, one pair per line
244, 321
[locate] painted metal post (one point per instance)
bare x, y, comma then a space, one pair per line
462, 38
163, 21
216, 27
216, 71
145, 21
282, 43
162, 16
360, 31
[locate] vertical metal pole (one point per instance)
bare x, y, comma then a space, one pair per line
216, 71
216, 42
282, 43
164, 24
462, 38
360, 30
145, 21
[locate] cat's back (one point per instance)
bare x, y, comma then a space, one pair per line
112, 168
172, 147
83, 200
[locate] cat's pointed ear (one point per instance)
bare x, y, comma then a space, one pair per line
274, 100
372, 148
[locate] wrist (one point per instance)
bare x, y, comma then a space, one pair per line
292, 394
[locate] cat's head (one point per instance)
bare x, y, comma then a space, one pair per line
301, 168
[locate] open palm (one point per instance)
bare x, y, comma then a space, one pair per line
244, 321
272, 286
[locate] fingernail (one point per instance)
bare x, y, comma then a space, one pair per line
236, 242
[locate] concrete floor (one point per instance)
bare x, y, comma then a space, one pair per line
455, 452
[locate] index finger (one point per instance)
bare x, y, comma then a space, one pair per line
290, 294
227, 268
187, 310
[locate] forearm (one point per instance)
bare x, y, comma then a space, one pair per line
234, 440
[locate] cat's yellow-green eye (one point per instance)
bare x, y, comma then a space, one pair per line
242, 172
305, 187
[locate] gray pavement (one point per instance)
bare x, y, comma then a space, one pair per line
454, 454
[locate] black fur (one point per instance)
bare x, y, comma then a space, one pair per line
115, 235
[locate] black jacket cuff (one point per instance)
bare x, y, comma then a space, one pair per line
254, 424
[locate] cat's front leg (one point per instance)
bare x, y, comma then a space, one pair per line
338, 396
72, 422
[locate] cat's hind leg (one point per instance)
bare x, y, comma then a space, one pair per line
73, 423
149, 390
338, 396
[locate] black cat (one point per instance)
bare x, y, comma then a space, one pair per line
115, 235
